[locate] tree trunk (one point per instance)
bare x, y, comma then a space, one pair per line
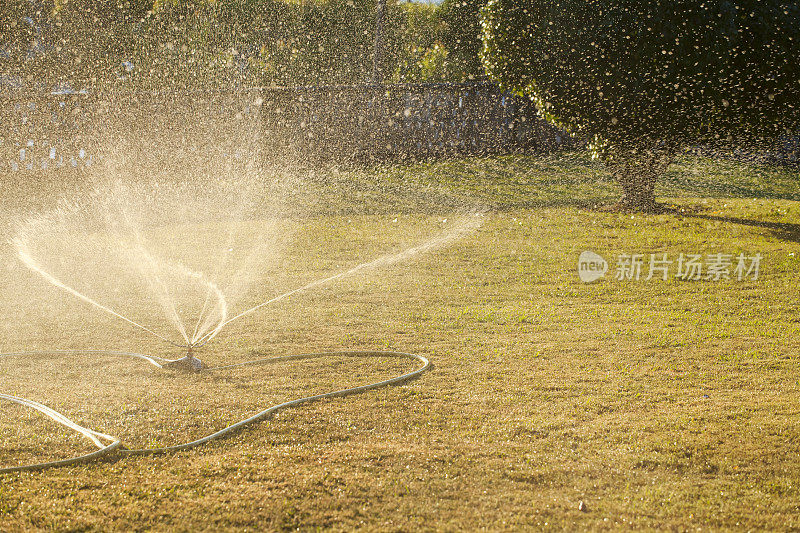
638, 192
377, 59
637, 173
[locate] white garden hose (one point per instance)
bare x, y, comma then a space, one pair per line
108, 444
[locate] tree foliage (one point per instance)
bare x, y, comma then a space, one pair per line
229, 43
213, 43
461, 36
641, 79
51, 42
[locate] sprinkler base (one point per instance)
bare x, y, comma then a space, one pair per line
188, 363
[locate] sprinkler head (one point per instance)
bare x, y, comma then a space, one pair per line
188, 363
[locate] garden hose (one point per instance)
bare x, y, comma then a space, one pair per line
108, 445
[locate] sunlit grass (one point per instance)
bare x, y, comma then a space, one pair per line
661, 404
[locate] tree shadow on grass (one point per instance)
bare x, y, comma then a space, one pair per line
786, 231
573, 180
706, 177
560, 180
680, 186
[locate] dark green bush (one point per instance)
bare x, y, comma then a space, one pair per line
642, 80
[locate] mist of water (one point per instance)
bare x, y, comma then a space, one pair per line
186, 220
101, 252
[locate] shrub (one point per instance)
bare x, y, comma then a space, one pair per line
643, 79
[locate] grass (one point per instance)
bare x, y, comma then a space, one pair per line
660, 404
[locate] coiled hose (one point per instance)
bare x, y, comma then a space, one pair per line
108, 444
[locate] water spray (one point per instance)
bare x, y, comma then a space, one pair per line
189, 363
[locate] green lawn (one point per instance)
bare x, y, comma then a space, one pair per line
660, 404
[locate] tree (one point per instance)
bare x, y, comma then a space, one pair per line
21, 36
641, 80
421, 57
49, 42
461, 36
87, 41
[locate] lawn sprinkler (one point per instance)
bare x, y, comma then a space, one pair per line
109, 444
188, 363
